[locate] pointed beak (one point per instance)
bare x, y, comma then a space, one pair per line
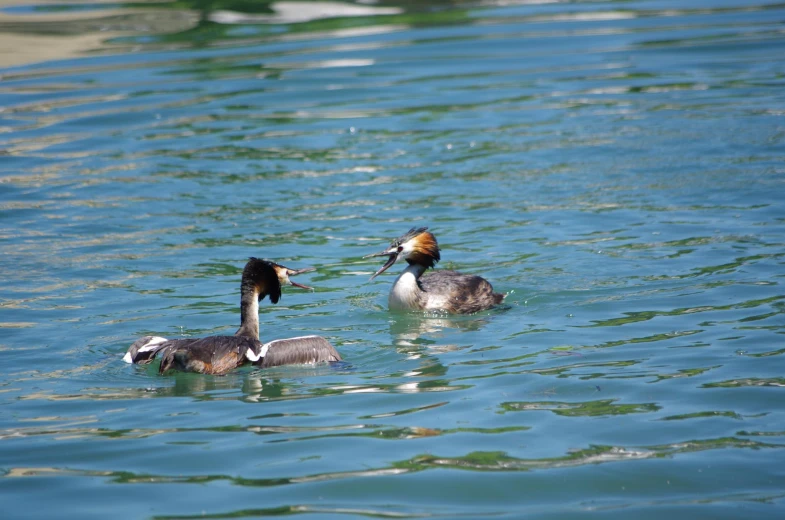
386, 252
292, 272
393, 257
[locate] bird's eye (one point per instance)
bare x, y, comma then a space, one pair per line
400, 248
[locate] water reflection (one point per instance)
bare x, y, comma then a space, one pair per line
412, 331
600, 408
473, 461
58, 32
617, 170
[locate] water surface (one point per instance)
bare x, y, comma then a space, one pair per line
615, 168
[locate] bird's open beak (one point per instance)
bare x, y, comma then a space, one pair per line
393, 257
292, 272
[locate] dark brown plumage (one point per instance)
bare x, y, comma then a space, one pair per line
468, 293
221, 354
211, 355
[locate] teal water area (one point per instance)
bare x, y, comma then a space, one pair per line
615, 167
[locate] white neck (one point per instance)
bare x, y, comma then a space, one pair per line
405, 292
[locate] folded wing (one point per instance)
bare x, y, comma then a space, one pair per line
297, 351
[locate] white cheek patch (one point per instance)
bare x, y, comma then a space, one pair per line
154, 342
407, 249
127, 358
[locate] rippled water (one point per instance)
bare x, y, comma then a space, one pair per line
615, 167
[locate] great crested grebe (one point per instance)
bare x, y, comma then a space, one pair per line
221, 354
439, 290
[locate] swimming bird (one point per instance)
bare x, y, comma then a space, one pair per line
449, 291
221, 354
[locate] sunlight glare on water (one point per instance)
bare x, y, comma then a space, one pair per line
615, 168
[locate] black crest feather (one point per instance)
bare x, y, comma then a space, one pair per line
413, 232
261, 273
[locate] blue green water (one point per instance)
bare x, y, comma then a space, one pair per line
616, 168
